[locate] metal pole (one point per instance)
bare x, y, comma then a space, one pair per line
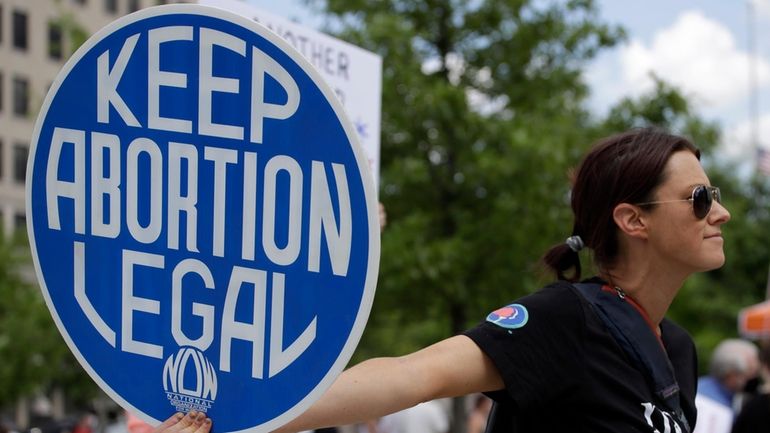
754, 101
753, 96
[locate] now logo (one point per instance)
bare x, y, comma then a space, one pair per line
190, 363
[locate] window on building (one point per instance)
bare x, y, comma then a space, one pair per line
20, 30
111, 6
2, 160
80, 2
20, 152
20, 96
55, 46
19, 223
2, 17
2, 88
133, 5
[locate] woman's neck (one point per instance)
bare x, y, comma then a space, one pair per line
651, 289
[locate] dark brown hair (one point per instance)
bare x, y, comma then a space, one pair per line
623, 168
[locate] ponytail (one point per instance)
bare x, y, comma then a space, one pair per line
563, 257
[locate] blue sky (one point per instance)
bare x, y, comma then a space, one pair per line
700, 46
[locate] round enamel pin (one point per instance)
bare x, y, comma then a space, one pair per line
511, 317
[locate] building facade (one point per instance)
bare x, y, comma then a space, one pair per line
36, 39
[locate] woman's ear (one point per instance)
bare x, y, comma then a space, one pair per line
630, 220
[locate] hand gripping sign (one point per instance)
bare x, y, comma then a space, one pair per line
202, 220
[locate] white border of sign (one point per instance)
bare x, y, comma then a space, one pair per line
363, 165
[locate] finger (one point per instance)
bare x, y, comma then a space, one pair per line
205, 426
197, 420
183, 423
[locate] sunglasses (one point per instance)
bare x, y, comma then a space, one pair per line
702, 198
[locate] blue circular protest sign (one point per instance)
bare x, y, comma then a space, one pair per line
202, 220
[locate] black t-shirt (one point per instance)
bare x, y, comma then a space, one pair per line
755, 416
563, 371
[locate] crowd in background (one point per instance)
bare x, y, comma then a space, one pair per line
735, 394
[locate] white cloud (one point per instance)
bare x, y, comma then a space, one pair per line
737, 141
696, 54
606, 83
762, 8
702, 57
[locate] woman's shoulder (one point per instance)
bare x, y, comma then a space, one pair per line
555, 310
556, 291
559, 296
558, 300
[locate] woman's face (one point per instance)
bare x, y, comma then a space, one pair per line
675, 233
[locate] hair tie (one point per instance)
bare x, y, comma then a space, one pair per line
575, 243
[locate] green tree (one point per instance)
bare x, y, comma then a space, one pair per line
453, 166
483, 115
35, 358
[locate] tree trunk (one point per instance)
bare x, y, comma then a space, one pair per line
459, 419
58, 404
22, 413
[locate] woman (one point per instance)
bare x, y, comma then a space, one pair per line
574, 357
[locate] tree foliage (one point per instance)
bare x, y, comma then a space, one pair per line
484, 114
35, 358
482, 117
482, 104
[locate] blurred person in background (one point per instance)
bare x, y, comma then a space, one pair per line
116, 421
477, 419
755, 416
135, 425
734, 363
87, 423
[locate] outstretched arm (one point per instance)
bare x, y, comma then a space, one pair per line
377, 387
